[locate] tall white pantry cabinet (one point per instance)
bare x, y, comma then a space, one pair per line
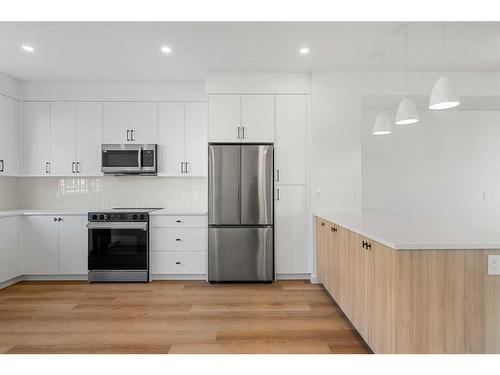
282, 120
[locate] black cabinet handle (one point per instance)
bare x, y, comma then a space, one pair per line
177, 262
178, 221
333, 229
178, 239
322, 224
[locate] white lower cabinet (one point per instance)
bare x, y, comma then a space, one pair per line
291, 249
39, 245
9, 265
53, 245
73, 249
179, 262
179, 246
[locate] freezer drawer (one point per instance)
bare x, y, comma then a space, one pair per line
240, 254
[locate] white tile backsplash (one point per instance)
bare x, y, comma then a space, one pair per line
116, 191
8, 193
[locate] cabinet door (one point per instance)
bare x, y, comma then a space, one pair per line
321, 245
361, 281
341, 267
291, 139
144, 123
116, 120
62, 139
291, 256
9, 136
224, 118
196, 151
382, 300
88, 138
257, 118
39, 246
36, 138
9, 267
73, 249
170, 138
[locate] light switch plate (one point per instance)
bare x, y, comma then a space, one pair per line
493, 264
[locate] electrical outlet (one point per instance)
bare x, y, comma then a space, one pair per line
493, 264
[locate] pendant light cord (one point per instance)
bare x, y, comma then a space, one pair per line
406, 60
382, 74
443, 38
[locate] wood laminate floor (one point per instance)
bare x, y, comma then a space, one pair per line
173, 317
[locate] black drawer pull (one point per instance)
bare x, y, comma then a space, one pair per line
177, 262
178, 239
178, 221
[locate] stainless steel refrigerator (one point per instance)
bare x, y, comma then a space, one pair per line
240, 212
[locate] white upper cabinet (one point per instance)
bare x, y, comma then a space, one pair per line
224, 118
257, 118
62, 139
144, 123
182, 144
126, 122
88, 139
291, 120
73, 250
36, 138
9, 136
241, 118
116, 122
171, 139
291, 247
195, 138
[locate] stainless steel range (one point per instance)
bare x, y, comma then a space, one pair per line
119, 245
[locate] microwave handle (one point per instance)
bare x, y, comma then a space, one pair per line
139, 158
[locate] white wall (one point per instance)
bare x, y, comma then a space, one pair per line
9, 86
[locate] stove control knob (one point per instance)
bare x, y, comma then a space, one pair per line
101, 217
142, 217
94, 217
134, 217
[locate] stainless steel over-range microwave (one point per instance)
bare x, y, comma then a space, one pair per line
121, 159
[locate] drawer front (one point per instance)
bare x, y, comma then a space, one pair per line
179, 262
179, 239
182, 221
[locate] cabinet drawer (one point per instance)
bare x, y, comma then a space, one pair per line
179, 262
180, 221
171, 239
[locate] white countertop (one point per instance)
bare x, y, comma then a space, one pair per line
177, 211
403, 233
85, 211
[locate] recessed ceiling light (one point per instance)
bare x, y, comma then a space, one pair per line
304, 50
28, 48
166, 49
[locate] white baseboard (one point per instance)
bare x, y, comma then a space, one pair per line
54, 277
179, 277
10, 282
315, 279
293, 276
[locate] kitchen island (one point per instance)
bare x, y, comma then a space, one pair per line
411, 286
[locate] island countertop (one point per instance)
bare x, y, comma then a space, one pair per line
404, 233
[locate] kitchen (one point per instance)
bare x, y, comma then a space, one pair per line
227, 207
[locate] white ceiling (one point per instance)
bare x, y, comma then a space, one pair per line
131, 51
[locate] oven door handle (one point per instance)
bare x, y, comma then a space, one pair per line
114, 225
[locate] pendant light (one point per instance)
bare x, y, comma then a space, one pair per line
407, 113
443, 96
382, 124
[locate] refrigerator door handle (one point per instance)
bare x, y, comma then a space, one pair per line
277, 194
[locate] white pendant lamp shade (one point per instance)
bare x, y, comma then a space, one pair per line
382, 125
443, 96
407, 112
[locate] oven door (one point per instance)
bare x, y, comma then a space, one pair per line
118, 246
117, 159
